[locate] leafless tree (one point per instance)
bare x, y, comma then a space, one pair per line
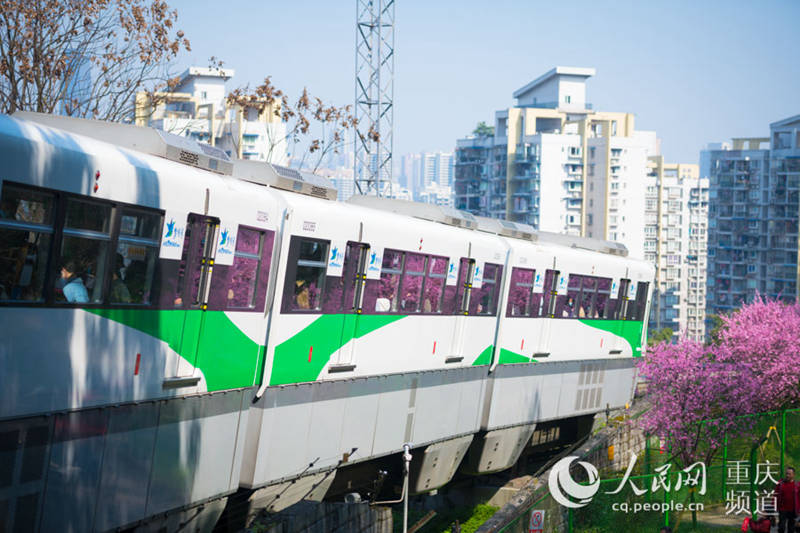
312, 126
85, 58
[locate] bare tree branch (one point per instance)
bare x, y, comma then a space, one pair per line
85, 58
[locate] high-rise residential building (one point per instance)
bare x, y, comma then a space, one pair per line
472, 162
675, 218
561, 166
754, 196
436, 167
198, 108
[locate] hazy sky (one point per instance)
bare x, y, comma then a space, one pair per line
695, 71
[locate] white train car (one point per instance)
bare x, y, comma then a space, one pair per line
179, 329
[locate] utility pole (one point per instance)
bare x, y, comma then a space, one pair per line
374, 96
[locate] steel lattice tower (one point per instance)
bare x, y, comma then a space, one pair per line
374, 106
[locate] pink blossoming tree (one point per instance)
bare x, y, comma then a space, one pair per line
699, 392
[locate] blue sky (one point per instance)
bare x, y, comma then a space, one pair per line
694, 71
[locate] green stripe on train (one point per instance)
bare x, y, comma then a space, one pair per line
630, 330
225, 355
302, 357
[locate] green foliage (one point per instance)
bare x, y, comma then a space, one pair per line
715, 329
483, 130
657, 337
469, 518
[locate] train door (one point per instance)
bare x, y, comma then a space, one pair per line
549, 297
466, 274
353, 279
194, 281
619, 314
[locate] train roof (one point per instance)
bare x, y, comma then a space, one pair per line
147, 140
200, 155
285, 178
431, 212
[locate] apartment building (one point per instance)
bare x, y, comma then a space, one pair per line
198, 109
675, 217
558, 165
754, 196
472, 168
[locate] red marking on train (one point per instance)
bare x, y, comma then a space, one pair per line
138, 360
601, 342
310, 351
97, 175
522, 346
434, 346
96, 186
420, 244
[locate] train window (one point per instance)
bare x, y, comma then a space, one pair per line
519, 294
84, 252
434, 284
601, 300
587, 301
483, 301
343, 293
536, 303
136, 257
550, 292
305, 275
456, 297
193, 289
618, 307
411, 283
636, 308
568, 305
245, 272
26, 227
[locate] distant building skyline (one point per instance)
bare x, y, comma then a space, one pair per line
445, 77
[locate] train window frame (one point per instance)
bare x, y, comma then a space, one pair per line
550, 295
220, 297
432, 261
46, 228
579, 290
54, 249
476, 308
513, 284
455, 301
293, 263
152, 244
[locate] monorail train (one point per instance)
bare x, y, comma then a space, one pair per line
179, 329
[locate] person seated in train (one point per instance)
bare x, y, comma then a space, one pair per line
73, 287
569, 308
136, 281
302, 296
119, 290
383, 303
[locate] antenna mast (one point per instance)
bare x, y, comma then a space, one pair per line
374, 104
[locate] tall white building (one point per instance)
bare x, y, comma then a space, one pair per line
436, 167
676, 218
198, 108
562, 167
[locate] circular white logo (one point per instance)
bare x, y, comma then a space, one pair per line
563, 487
